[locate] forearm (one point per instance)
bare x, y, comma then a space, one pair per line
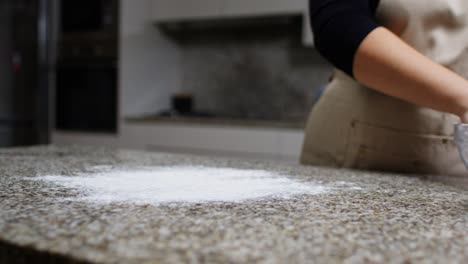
387, 64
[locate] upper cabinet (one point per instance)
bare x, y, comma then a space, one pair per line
171, 10
174, 10
186, 10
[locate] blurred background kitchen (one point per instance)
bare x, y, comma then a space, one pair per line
216, 77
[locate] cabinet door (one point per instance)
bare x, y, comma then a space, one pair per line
263, 7
166, 10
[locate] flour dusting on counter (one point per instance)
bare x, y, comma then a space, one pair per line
192, 184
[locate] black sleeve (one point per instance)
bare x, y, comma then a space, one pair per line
340, 26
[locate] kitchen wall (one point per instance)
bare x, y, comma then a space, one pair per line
264, 74
149, 62
154, 65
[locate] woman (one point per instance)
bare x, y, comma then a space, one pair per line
398, 89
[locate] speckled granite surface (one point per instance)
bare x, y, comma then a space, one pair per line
394, 219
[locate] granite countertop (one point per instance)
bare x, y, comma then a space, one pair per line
386, 219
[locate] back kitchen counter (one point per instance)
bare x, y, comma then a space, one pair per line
303, 214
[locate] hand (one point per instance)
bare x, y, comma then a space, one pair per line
464, 117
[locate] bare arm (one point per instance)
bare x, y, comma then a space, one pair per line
387, 64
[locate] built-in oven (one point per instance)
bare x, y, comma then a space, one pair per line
87, 59
87, 96
88, 16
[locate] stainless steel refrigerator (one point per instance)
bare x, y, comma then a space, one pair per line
25, 71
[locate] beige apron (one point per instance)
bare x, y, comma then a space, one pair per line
355, 127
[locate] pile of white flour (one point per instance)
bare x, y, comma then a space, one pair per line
195, 184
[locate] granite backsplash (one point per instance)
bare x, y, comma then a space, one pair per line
259, 73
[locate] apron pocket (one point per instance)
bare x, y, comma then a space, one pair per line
374, 147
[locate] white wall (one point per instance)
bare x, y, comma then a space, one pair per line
149, 62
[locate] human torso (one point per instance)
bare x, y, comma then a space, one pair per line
354, 126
